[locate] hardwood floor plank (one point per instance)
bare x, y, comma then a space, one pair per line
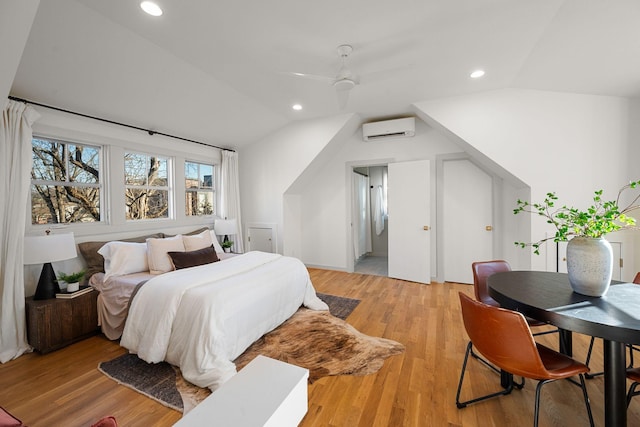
416, 388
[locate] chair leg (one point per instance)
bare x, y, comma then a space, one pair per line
586, 400
586, 362
461, 405
479, 358
584, 394
545, 332
632, 392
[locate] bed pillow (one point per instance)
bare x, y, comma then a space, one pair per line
95, 261
124, 258
157, 253
216, 244
193, 258
198, 241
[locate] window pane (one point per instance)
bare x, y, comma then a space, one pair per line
205, 203
146, 203
191, 174
158, 172
135, 169
64, 204
48, 160
84, 164
206, 176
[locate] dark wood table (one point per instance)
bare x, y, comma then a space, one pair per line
615, 318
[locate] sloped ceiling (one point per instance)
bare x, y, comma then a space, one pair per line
220, 71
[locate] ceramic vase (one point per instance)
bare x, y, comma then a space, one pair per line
590, 265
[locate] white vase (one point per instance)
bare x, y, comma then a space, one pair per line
72, 287
590, 265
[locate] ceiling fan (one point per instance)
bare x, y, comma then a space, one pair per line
344, 81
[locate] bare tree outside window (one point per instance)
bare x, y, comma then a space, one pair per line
65, 182
146, 186
199, 186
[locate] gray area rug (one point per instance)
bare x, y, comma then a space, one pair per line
164, 383
341, 307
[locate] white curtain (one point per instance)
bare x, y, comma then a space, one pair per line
15, 175
230, 195
378, 209
361, 215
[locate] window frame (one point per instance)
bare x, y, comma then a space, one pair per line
199, 189
170, 187
103, 208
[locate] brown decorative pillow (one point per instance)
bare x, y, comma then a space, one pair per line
193, 258
191, 233
95, 261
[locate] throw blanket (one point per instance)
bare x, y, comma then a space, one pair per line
202, 318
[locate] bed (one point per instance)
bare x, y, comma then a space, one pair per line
199, 316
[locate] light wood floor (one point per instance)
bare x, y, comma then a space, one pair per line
417, 388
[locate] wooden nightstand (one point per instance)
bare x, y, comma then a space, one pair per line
55, 323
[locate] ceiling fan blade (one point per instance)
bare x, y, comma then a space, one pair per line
309, 76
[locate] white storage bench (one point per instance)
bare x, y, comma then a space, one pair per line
266, 392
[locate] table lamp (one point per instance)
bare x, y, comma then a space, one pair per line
225, 227
45, 250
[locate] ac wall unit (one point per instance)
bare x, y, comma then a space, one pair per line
389, 129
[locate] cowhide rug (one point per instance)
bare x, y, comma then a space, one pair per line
316, 340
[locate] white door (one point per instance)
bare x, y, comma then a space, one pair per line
467, 223
616, 247
260, 239
408, 204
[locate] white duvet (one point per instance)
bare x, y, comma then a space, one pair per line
202, 318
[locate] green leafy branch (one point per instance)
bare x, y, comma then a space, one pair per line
597, 220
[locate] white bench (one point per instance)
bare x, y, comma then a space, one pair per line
265, 393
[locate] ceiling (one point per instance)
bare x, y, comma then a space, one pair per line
220, 71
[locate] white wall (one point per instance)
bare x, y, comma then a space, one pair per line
326, 233
568, 143
268, 168
633, 161
16, 18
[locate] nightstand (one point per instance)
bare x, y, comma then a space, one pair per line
55, 323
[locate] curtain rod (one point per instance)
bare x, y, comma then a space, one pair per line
149, 131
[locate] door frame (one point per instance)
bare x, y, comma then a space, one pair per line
350, 262
266, 225
497, 205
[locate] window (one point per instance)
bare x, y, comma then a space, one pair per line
199, 189
65, 182
146, 186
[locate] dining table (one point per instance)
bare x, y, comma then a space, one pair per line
614, 317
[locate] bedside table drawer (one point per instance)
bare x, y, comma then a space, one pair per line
55, 323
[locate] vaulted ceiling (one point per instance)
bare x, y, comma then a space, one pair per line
221, 71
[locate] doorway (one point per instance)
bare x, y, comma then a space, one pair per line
370, 222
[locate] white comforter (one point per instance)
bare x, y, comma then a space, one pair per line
202, 318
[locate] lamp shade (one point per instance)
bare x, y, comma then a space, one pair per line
226, 227
49, 248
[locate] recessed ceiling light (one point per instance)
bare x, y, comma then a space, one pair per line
297, 107
477, 74
151, 8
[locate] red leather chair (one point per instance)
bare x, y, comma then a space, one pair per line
509, 345
481, 272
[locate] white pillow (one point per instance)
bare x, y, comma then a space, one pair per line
124, 258
159, 260
198, 241
216, 244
